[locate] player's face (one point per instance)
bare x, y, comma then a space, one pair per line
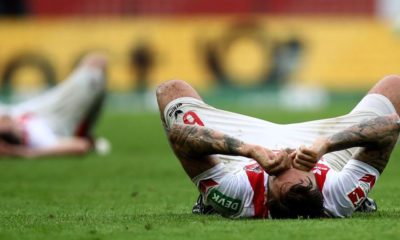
282, 183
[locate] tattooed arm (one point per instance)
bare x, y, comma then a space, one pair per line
376, 137
192, 141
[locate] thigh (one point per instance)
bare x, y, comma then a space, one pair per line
372, 105
187, 110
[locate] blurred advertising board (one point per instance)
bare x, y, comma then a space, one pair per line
207, 51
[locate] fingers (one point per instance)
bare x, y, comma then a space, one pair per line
280, 164
305, 159
309, 158
306, 150
303, 165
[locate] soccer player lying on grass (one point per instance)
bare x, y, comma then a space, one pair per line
60, 121
342, 191
231, 162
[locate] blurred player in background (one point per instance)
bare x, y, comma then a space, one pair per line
61, 120
229, 158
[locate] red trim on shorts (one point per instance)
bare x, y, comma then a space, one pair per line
82, 128
256, 178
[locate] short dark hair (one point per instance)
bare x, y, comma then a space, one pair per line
10, 138
298, 202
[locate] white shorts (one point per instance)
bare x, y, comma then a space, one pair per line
271, 135
66, 105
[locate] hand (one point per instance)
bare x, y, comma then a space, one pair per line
269, 161
5, 149
10, 150
306, 158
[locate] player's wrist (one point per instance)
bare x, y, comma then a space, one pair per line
325, 146
321, 146
246, 150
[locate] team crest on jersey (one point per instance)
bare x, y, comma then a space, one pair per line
358, 195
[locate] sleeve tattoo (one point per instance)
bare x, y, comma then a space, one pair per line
196, 141
376, 137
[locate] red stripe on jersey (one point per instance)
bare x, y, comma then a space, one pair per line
256, 178
370, 179
22, 123
320, 170
205, 184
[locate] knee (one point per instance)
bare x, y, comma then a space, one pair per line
392, 78
388, 86
171, 87
166, 91
172, 90
95, 60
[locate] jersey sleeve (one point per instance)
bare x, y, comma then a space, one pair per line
346, 190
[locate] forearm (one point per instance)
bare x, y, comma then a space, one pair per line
67, 147
374, 133
197, 141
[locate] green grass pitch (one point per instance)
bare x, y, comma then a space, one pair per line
140, 191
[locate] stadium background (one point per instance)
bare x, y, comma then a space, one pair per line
336, 45
260, 58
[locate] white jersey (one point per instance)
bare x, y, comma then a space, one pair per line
344, 191
237, 194
36, 132
234, 183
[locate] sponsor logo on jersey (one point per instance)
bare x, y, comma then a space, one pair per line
356, 196
177, 113
173, 109
224, 203
365, 184
320, 171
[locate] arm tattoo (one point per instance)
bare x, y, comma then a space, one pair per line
376, 136
197, 141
